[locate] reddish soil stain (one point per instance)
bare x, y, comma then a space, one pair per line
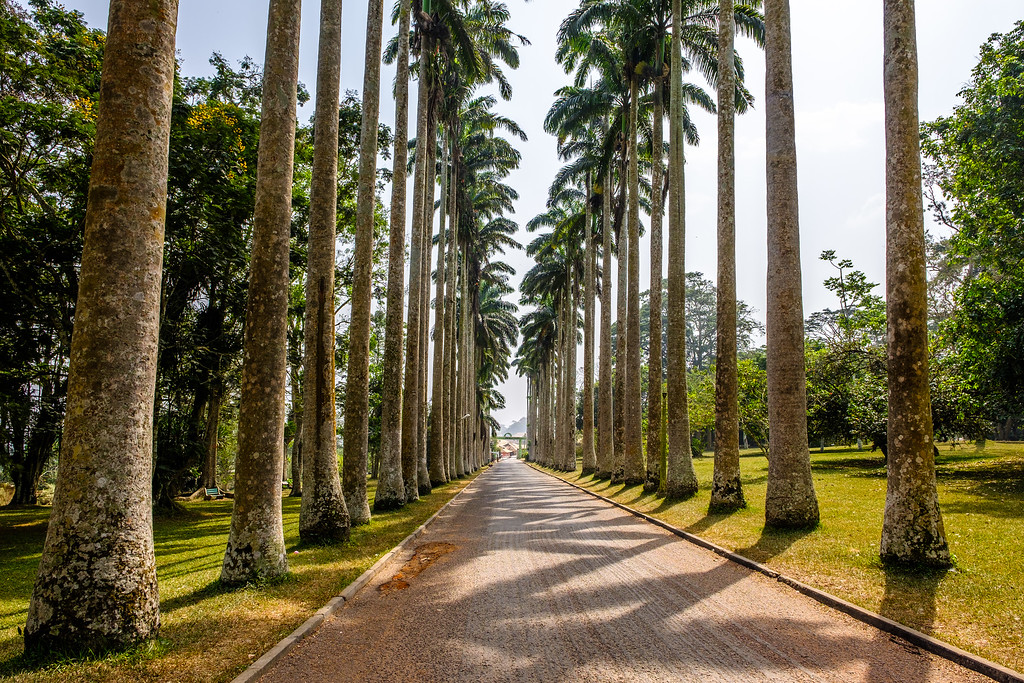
424, 556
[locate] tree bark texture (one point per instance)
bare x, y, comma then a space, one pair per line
655, 433
605, 447
423, 468
790, 500
450, 396
410, 398
436, 456
323, 516
680, 477
633, 450
726, 489
208, 476
589, 293
912, 531
619, 404
390, 483
96, 587
256, 544
357, 398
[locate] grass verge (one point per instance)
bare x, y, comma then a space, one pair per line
207, 633
978, 606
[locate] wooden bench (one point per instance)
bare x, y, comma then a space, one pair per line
214, 493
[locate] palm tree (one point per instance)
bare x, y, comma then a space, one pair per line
726, 489
605, 450
323, 515
790, 501
358, 385
390, 482
436, 456
256, 542
102, 510
680, 477
912, 531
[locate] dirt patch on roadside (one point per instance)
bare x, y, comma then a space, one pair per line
424, 556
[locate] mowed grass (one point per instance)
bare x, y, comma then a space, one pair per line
208, 633
979, 606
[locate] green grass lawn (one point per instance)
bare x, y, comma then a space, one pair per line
207, 633
979, 606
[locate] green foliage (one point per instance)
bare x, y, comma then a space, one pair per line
49, 85
976, 160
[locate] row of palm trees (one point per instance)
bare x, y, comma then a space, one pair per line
96, 587
625, 57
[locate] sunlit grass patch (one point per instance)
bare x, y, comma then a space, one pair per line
207, 633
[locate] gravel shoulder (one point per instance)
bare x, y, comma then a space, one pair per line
524, 578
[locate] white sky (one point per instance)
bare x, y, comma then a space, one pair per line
837, 58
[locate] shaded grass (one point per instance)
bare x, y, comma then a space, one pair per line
208, 633
979, 606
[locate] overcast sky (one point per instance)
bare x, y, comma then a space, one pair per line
837, 62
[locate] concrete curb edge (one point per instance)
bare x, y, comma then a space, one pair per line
283, 647
937, 647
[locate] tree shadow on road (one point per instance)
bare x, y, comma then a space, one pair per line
909, 599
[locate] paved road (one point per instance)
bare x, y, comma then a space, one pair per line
524, 578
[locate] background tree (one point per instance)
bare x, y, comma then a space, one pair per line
256, 543
102, 506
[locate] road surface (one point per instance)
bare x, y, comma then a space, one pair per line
524, 578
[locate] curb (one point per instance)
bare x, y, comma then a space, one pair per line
261, 665
937, 647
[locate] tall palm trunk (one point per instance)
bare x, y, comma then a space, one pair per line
410, 399
465, 377
680, 477
605, 447
102, 511
912, 531
589, 452
390, 482
423, 469
790, 500
655, 430
620, 404
256, 543
726, 489
323, 516
438, 461
450, 396
570, 383
358, 388
632, 450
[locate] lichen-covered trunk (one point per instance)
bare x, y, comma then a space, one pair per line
256, 544
436, 457
680, 477
323, 515
726, 489
790, 501
423, 468
450, 396
589, 294
655, 431
619, 403
912, 531
390, 482
357, 397
96, 587
570, 379
605, 447
632, 449
411, 395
